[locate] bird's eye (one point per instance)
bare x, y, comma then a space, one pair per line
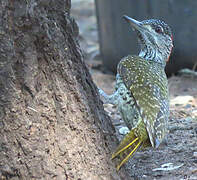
158, 29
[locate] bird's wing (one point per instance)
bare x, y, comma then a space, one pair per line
148, 85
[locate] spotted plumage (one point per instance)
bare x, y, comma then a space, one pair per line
142, 89
149, 91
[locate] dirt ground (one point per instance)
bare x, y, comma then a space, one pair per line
177, 158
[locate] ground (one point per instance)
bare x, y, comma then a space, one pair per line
177, 158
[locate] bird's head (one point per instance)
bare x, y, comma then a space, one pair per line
155, 38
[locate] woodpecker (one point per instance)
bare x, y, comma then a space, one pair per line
141, 91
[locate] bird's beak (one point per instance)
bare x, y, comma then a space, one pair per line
136, 25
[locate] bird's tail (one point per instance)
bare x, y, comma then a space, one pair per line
128, 146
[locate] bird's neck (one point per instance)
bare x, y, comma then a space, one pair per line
154, 54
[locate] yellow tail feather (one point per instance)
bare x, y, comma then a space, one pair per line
127, 148
130, 154
121, 150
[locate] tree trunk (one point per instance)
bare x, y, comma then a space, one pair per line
52, 123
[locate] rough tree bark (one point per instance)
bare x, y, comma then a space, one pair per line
52, 124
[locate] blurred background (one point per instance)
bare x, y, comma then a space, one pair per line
105, 38
116, 39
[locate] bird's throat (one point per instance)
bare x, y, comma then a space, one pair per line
153, 54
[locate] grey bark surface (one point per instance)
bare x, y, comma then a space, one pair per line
52, 123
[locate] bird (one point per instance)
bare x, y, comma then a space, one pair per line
141, 91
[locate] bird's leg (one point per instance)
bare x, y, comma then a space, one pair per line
109, 99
